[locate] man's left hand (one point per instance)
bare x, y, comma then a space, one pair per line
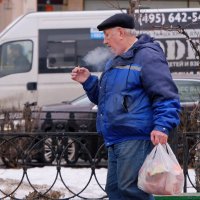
158, 137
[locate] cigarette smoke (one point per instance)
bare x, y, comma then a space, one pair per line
98, 57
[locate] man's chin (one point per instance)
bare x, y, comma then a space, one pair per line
113, 51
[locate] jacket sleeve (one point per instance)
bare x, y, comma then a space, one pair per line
91, 88
161, 89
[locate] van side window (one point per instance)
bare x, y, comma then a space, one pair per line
60, 50
16, 57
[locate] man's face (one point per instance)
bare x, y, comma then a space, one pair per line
112, 38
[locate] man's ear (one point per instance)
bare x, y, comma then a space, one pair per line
121, 32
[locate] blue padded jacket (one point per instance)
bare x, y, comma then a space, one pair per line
135, 94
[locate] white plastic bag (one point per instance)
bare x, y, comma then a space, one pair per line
161, 173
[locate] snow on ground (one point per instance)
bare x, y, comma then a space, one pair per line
42, 179
75, 180
190, 188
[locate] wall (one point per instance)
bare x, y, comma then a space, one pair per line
113, 4
11, 9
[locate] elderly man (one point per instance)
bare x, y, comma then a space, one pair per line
137, 103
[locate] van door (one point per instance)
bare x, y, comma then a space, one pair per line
18, 81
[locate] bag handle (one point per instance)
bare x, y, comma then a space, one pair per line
168, 149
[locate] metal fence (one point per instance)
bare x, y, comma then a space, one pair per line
191, 158
23, 151
75, 150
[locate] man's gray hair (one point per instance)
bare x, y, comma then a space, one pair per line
130, 31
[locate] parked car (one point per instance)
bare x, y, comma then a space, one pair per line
79, 115
189, 88
189, 91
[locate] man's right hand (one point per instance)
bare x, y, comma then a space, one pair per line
80, 74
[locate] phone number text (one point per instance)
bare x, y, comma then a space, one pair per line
168, 18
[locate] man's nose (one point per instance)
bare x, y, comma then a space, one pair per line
105, 41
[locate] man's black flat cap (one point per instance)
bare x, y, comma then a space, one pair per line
118, 20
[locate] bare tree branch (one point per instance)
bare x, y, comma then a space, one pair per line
112, 5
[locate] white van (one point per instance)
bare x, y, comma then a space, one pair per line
38, 52
50, 44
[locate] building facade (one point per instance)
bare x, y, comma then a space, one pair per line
11, 9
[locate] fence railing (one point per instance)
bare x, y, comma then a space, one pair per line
24, 151
62, 150
191, 158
